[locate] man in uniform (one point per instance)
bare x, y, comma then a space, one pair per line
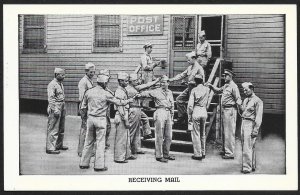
84, 84
252, 108
56, 111
197, 116
203, 50
107, 145
190, 72
163, 117
135, 113
122, 151
97, 100
230, 100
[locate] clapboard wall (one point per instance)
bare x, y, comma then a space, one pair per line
256, 45
69, 40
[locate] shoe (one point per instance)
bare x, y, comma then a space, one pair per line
84, 167
253, 169
104, 169
124, 161
196, 158
131, 158
203, 156
140, 152
170, 157
63, 148
52, 151
147, 137
162, 160
222, 153
245, 171
227, 157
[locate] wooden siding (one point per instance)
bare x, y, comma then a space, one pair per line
69, 45
256, 44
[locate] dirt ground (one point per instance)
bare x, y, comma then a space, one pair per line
35, 161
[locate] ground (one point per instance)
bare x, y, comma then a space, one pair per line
35, 161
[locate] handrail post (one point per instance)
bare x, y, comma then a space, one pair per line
220, 106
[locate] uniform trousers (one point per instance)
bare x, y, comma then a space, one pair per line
248, 146
134, 130
182, 100
95, 135
82, 135
163, 132
122, 140
229, 126
146, 130
198, 134
55, 127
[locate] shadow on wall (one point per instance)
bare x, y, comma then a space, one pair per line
273, 124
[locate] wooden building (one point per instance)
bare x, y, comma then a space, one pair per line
254, 43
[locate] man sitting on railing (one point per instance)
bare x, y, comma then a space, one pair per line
194, 69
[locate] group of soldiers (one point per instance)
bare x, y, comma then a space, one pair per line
133, 92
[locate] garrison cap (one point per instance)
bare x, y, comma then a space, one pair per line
164, 78
59, 70
123, 76
247, 84
147, 45
133, 77
198, 76
102, 78
229, 72
104, 72
191, 54
202, 33
90, 66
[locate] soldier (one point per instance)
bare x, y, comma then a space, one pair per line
197, 115
122, 151
135, 113
229, 101
84, 84
190, 72
163, 117
97, 100
108, 129
252, 108
203, 50
56, 111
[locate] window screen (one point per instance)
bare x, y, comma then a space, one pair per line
34, 32
184, 32
107, 31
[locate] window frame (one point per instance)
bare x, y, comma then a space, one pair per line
30, 50
107, 49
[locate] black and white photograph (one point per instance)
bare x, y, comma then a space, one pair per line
176, 95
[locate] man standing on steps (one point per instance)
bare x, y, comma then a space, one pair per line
122, 151
84, 84
96, 101
108, 129
197, 115
57, 112
230, 100
252, 108
163, 117
135, 113
203, 50
190, 73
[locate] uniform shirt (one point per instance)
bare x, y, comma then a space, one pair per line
230, 95
199, 97
122, 94
56, 93
190, 72
84, 84
146, 67
97, 101
253, 109
204, 49
161, 98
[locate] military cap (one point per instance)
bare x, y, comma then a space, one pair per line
59, 70
102, 78
191, 54
229, 72
164, 78
147, 45
104, 72
202, 33
198, 76
247, 84
123, 76
133, 77
90, 66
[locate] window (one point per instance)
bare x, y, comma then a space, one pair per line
34, 34
107, 33
184, 32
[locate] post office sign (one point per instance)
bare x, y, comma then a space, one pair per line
145, 25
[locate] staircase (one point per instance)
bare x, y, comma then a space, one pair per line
181, 140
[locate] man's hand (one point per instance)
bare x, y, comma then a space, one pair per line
208, 84
254, 134
184, 83
56, 113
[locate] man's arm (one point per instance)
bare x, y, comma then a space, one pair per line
145, 65
236, 95
179, 76
258, 119
214, 88
208, 52
147, 85
190, 106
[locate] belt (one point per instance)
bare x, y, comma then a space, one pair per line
199, 106
248, 119
134, 106
228, 106
167, 109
